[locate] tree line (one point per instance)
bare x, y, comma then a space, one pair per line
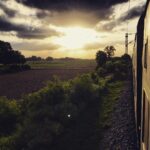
37, 58
10, 56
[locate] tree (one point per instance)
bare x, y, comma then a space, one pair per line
110, 51
101, 58
10, 56
49, 58
34, 58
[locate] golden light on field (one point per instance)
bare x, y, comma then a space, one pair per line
76, 37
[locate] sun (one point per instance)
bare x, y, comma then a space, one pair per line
76, 37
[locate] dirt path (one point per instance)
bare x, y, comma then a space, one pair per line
121, 135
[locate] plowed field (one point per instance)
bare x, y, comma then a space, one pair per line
16, 85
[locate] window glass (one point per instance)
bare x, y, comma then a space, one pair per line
145, 54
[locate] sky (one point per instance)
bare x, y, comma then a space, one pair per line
68, 28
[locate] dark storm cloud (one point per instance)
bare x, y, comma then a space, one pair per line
133, 13
9, 12
5, 25
36, 33
27, 32
64, 5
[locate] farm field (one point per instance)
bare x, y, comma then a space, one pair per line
63, 64
18, 84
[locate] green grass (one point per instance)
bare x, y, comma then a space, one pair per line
109, 101
61, 64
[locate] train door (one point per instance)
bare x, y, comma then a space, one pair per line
145, 124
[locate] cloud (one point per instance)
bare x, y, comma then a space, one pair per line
27, 32
104, 26
9, 12
64, 5
133, 13
93, 46
109, 25
100, 8
28, 46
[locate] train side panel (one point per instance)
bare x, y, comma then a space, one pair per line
145, 123
137, 73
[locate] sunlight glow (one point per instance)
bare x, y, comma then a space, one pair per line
76, 37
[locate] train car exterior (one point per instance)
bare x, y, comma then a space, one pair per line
141, 79
145, 111
137, 73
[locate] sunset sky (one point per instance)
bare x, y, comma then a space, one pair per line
68, 28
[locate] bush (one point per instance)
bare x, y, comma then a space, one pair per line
126, 58
9, 116
83, 90
110, 66
101, 72
47, 114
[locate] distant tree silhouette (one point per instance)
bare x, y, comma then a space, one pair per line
110, 51
49, 58
34, 58
101, 58
10, 56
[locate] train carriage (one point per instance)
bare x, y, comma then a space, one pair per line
145, 123
141, 76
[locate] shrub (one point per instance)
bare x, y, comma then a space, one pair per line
82, 90
126, 58
110, 67
101, 72
9, 116
47, 114
95, 77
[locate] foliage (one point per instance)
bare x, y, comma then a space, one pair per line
49, 58
34, 58
64, 114
9, 116
126, 57
10, 56
101, 58
47, 114
101, 71
119, 68
110, 51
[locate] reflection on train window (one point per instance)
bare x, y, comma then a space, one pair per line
145, 54
145, 123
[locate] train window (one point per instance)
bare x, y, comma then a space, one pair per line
145, 54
